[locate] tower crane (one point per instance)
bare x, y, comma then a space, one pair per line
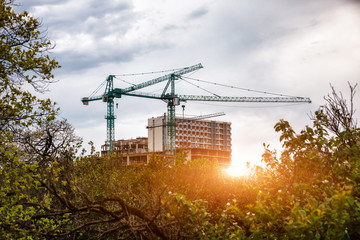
111, 93
171, 98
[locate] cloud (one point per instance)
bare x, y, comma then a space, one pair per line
28, 5
88, 33
197, 13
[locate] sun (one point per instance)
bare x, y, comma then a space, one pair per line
238, 171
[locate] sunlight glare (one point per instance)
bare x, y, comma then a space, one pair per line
238, 171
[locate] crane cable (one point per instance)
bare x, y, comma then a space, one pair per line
182, 78
125, 81
97, 89
145, 73
245, 89
201, 88
162, 89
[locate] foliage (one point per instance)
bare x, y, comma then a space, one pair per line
23, 60
23, 49
141, 201
312, 190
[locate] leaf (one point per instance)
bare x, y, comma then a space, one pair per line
350, 200
302, 213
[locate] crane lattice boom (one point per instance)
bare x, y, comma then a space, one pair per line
185, 98
244, 99
163, 78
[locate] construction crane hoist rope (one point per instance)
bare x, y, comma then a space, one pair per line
171, 98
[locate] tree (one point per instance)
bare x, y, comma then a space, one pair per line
23, 60
104, 199
312, 190
336, 114
47, 143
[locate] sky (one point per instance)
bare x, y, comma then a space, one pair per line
295, 48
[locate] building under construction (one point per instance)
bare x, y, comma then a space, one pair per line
199, 138
132, 150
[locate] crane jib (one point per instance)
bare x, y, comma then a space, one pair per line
244, 99
163, 78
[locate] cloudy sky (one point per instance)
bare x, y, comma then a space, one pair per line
296, 48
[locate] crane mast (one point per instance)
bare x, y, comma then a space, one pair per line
171, 103
172, 100
108, 97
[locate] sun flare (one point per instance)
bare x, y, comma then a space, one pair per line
238, 171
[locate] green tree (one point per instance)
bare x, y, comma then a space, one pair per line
23, 61
105, 199
312, 190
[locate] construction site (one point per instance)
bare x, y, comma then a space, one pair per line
199, 137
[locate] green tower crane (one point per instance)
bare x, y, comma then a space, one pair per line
172, 100
107, 97
110, 94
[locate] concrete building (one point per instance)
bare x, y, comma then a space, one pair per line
200, 138
132, 150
